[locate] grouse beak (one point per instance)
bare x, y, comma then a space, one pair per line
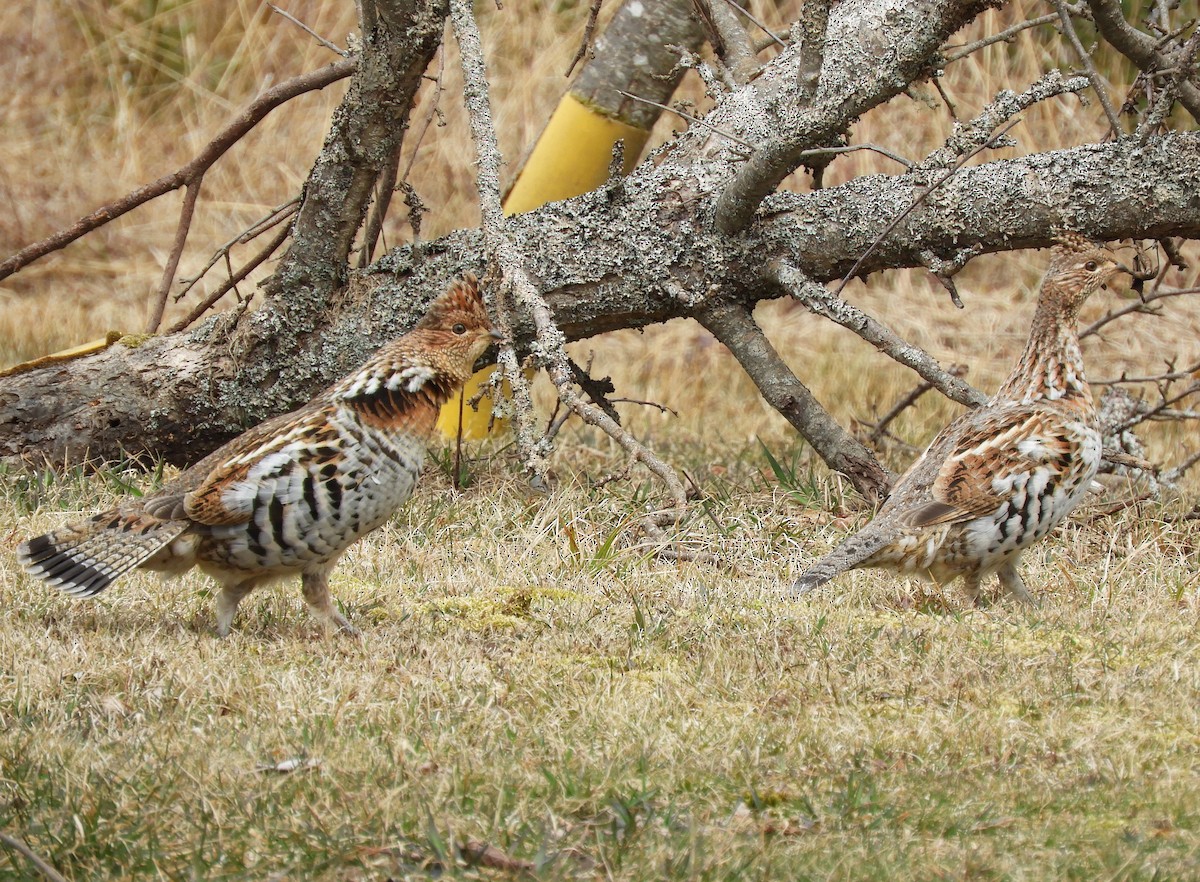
495, 335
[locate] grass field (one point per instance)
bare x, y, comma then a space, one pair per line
528, 678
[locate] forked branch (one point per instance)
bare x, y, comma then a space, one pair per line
190, 175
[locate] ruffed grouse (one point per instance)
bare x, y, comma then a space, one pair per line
290, 495
1000, 477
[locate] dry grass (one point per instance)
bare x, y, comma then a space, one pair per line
526, 678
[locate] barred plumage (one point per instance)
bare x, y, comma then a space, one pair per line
290, 495
1001, 477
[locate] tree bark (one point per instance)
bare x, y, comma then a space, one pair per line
180, 395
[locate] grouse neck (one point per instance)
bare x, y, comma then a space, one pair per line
1051, 367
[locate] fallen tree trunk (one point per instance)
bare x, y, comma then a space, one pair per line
603, 264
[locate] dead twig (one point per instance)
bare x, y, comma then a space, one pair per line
1142, 49
275, 217
688, 117
1005, 36
39, 863
589, 30
331, 46
925, 194
820, 301
908, 400
1068, 29
232, 282
774, 37
188, 176
979, 135
515, 282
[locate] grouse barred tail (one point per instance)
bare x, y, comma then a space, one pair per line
850, 554
1001, 477
290, 495
85, 558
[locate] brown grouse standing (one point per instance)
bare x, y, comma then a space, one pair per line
290, 495
1000, 477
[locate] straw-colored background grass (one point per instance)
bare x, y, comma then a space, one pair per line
525, 678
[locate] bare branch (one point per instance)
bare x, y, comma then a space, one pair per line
852, 148
972, 139
1004, 36
40, 863
1168, 92
1068, 29
906, 401
831, 306
332, 47
275, 217
925, 194
384, 189
190, 195
232, 282
790, 124
814, 20
1172, 475
688, 117
589, 29
550, 340
1142, 305
1140, 48
729, 40
774, 37
733, 325
226, 138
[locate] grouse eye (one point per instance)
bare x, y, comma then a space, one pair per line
1090, 266
459, 328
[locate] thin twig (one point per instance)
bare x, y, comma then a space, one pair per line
1174, 474
951, 172
589, 30
762, 27
851, 148
232, 282
1169, 90
1168, 377
334, 47
820, 301
906, 401
276, 216
1005, 36
1140, 48
1068, 29
1141, 305
40, 863
186, 212
385, 186
686, 116
550, 339
226, 138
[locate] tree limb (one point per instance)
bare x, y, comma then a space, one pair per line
226, 138
1140, 48
821, 302
789, 124
733, 325
549, 339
